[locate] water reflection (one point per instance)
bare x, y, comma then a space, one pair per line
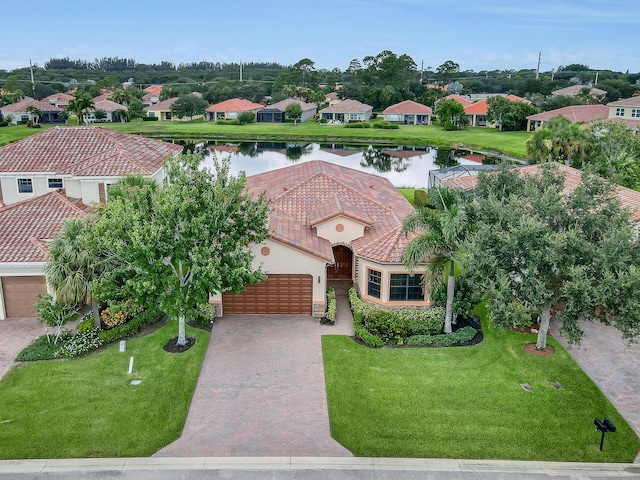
404, 166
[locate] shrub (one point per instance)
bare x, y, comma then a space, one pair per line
86, 323
368, 339
420, 198
205, 314
4, 123
463, 335
386, 126
358, 307
357, 125
246, 117
132, 326
448, 126
331, 304
54, 313
323, 120
41, 349
120, 312
80, 344
422, 322
149, 119
235, 121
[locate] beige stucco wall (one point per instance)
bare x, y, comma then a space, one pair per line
627, 112
351, 230
362, 275
17, 270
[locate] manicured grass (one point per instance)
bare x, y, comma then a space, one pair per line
485, 139
466, 402
18, 132
87, 408
408, 193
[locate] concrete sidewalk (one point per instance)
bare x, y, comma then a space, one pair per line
311, 468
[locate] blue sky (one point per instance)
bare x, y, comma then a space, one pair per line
476, 34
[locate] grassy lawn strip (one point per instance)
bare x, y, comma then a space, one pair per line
87, 408
466, 402
479, 138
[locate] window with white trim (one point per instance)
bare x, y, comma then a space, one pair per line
25, 185
619, 112
373, 286
404, 287
635, 113
55, 183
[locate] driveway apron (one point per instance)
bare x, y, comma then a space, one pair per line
15, 335
261, 391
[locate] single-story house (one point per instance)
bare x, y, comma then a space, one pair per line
276, 113
82, 160
53, 176
347, 111
152, 95
109, 107
332, 98
328, 222
575, 90
573, 113
59, 99
629, 199
408, 112
230, 109
161, 110
476, 112
18, 111
626, 111
25, 229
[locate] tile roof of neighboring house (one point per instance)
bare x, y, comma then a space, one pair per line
480, 107
101, 97
149, 96
574, 90
629, 199
85, 152
27, 226
408, 107
632, 124
516, 98
164, 105
461, 100
59, 97
331, 96
234, 105
347, 106
626, 102
305, 193
109, 106
22, 105
283, 104
154, 89
574, 113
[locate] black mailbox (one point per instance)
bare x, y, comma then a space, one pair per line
599, 425
610, 426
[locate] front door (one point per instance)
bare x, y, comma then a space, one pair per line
342, 268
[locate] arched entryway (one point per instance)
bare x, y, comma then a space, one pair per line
342, 269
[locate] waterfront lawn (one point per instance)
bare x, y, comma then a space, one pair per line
467, 402
87, 407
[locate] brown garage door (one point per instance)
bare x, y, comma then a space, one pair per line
278, 294
20, 294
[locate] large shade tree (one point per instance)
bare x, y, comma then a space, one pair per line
187, 239
442, 229
538, 248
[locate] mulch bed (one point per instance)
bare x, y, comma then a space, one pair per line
172, 345
530, 348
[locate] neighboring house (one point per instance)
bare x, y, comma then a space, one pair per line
82, 160
161, 110
25, 230
107, 106
574, 113
328, 222
154, 90
276, 113
149, 99
53, 176
629, 199
476, 112
408, 112
18, 111
454, 96
626, 111
332, 98
347, 111
575, 90
230, 109
59, 99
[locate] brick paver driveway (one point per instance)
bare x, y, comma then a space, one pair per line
16, 334
261, 391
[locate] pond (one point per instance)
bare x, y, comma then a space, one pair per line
404, 166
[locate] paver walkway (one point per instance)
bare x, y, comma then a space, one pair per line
15, 335
612, 364
261, 390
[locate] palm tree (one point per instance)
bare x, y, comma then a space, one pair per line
441, 231
80, 104
35, 112
121, 96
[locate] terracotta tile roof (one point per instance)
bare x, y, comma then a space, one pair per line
21, 106
85, 152
59, 98
164, 105
234, 105
461, 100
574, 90
27, 226
305, 193
478, 108
283, 104
632, 124
626, 102
154, 89
574, 113
109, 106
408, 107
629, 199
101, 97
347, 106
515, 98
331, 96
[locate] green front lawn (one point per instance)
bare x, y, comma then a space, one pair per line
466, 402
87, 407
486, 139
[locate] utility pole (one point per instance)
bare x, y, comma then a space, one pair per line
596, 82
538, 69
421, 72
240, 70
33, 82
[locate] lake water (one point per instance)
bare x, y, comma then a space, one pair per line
404, 166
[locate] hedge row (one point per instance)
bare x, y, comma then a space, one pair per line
386, 126
331, 304
357, 125
463, 335
132, 326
